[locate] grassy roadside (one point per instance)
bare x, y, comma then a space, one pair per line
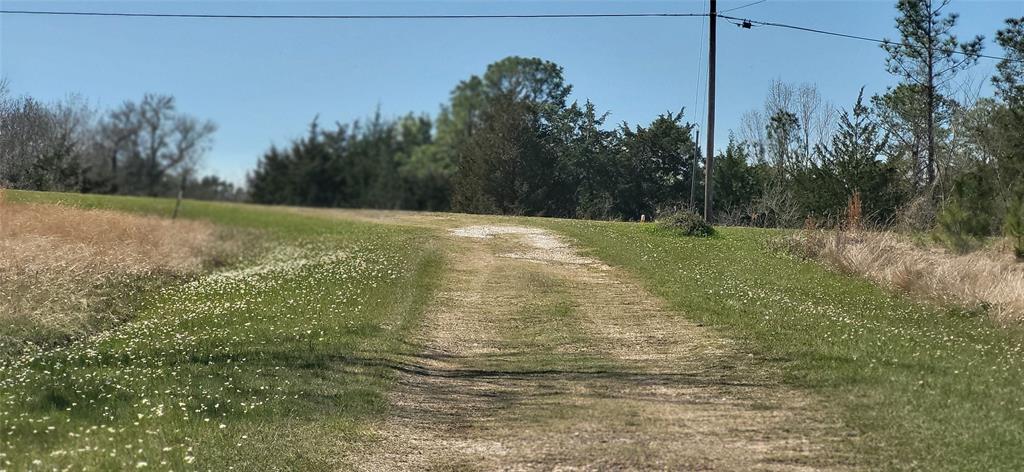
271, 364
267, 219
66, 273
927, 388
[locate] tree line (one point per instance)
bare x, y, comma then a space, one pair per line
506, 142
921, 154
926, 153
144, 147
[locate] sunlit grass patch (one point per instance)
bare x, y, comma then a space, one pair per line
926, 388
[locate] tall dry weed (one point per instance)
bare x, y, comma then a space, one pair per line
64, 270
989, 278
854, 213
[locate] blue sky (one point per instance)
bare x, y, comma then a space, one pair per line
262, 81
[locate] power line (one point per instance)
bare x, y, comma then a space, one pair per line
698, 108
745, 21
698, 105
744, 6
349, 17
850, 36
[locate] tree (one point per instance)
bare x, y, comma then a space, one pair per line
149, 140
424, 169
25, 130
903, 116
657, 165
42, 147
809, 104
1008, 120
1013, 225
499, 128
270, 181
379, 163
753, 127
588, 164
309, 172
782, 134
736, 182
813, 115
73, 123
1010, 79
852, 164
113, 144
1007, 129
968, 215
427, 173
504, 166
928, 55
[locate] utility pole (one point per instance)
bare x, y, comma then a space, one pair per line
693, 173
709, 158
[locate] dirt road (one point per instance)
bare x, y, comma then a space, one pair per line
535, 357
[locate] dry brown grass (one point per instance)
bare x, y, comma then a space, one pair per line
65, 272
989, 278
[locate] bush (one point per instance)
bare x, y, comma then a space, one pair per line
958, 228
687, 223
1014, 226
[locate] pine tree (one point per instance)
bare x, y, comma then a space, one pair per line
1008, 125
1010, 81
1013, 225
929, 55
852, 163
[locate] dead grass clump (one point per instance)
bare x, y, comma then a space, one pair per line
63, 270
989, 279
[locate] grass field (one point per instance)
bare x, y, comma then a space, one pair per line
280, 360
927, 388
255, 367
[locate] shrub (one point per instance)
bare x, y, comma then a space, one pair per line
959, 228
1013, 226
687, 223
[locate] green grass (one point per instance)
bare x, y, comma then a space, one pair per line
926, 388
290, 360
276, 363
536, 333
269, 219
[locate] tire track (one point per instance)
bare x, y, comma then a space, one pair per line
535, 357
